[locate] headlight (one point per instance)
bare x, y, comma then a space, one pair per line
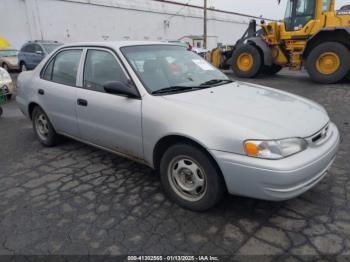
274, 149
4, 76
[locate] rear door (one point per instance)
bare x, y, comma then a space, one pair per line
57, 90
37, 55
108, 120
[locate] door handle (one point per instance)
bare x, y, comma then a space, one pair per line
82, 102
41, 92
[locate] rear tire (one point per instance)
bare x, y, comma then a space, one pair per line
23, 67
43, 128
1, 111
328, 63
247, 61
190, 178
9, 96
271, 70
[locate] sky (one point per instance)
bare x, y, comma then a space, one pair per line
266, 8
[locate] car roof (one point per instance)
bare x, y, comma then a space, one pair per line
116, 44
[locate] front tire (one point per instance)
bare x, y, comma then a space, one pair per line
271, 70
43, 128
6, 67
247, 61
328, 63
190, 178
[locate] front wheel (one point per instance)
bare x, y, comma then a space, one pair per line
271, 70
190, 178
328, 63
247, 61
43, 128
5, 66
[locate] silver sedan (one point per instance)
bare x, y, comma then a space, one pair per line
166, 107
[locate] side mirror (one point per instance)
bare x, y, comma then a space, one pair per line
120, 88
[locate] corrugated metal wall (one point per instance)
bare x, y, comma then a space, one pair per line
98, 20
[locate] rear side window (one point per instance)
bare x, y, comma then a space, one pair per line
101, 67
63, 68
28, 48
37, 48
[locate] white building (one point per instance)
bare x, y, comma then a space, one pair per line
95, 20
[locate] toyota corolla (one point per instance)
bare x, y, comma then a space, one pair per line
168, 108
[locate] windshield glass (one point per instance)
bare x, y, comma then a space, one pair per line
165, 66
50, 47
6, 53
299, 13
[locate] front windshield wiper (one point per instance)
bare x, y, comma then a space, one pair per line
172, 89
216, 82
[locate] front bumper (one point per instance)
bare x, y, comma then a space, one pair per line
278, 179
9, 87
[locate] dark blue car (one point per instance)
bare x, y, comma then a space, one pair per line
33, 52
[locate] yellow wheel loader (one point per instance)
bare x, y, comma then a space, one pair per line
313, 35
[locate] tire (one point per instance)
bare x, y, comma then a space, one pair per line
339, 57
271, 70
9, 96
1, 111
23, 67
208, 182
5, 66
43, 128
247, 61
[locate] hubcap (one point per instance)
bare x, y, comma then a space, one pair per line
245, 62
42, 127
328, 63
187, 178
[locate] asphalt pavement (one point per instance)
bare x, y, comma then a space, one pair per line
75, 199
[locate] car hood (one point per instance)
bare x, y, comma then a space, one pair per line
261, 110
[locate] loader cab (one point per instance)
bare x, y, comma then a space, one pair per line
299, 13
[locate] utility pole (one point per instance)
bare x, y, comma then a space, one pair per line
205, 35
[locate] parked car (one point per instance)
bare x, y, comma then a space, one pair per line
6, 84
9, 59
168, 108
33, 52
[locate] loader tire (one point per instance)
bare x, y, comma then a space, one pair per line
328, 63
247, 61
271, 70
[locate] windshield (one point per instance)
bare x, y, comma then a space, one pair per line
162, 67
299, 13
7, 53
50, 47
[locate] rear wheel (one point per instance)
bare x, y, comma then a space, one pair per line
328, 63
247, 61
271, 70
190, 178
23, 67
43, 128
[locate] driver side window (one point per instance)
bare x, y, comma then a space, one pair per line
299, 13
101, 67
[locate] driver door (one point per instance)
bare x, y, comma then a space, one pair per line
299, 19
108, 120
